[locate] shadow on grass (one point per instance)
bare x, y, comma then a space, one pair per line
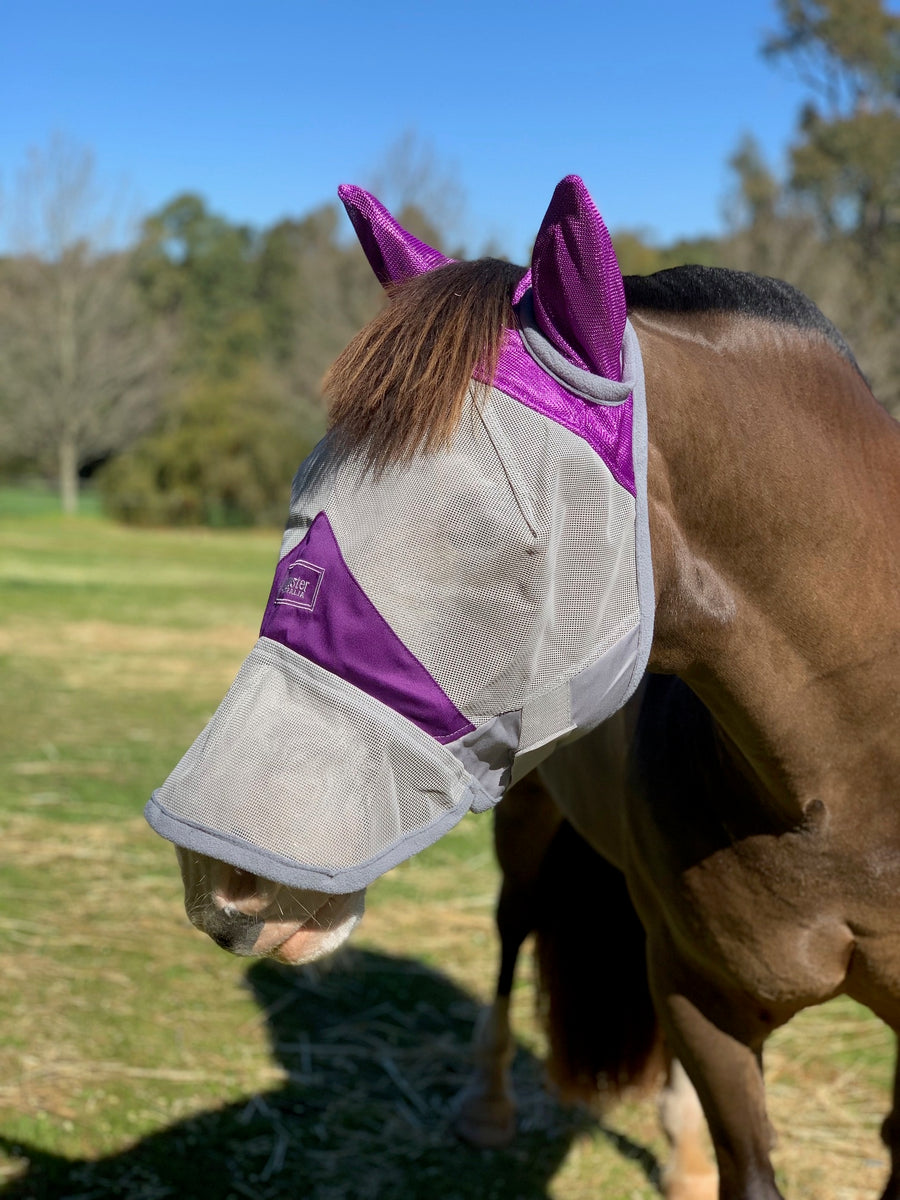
375, 1050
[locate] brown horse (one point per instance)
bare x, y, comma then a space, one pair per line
745, 802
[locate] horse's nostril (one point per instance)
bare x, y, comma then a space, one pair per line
223, 939
233, 930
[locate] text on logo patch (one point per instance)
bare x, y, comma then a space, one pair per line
301, 585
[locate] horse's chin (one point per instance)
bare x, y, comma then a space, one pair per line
330, 930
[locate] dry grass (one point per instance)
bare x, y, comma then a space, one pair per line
114, 657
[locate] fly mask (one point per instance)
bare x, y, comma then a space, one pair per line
435, 630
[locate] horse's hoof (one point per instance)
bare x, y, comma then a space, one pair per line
486, 1123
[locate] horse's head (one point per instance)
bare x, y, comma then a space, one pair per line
464, 582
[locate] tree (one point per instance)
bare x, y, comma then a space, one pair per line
832, 227
256, 320
224, 455
197, 272
326, 291
846, 161
79, 362
420, 191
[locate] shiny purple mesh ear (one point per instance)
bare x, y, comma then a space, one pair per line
393, 253
522, 287
579, 299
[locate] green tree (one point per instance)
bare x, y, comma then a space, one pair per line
257, 320
832, 227
224, 455
846, 161
198, 271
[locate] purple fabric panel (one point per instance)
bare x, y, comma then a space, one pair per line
605, 427
579, 298
318, 609
393, 253
522, 287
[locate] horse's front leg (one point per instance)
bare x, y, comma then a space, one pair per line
486, 1114
689, 1173
720, 1046
525, 823
890, 1135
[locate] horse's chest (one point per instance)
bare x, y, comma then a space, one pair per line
763, 916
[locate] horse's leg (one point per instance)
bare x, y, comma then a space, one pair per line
487, 1111
890, 1135
723, 1057
689, 1173
524, 825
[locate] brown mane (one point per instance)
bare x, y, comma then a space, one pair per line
400, 385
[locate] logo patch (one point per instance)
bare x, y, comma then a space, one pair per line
301, 586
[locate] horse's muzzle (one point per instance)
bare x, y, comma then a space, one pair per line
251, 916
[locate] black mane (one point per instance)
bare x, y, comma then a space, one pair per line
692, 289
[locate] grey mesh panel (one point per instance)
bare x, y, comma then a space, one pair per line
503, 575
546, 718
307, 768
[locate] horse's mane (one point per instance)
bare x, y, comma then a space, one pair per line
694, 289
400, 385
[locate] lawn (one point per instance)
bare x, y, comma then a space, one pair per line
137, 1060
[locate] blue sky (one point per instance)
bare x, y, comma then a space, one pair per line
265, 106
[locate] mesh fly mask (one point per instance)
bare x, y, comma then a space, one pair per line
433, 632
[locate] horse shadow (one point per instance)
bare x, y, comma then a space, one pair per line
375, 1051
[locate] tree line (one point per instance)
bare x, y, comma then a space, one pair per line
183, 366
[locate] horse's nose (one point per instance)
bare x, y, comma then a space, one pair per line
233, 930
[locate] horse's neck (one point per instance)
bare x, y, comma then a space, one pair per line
774, 502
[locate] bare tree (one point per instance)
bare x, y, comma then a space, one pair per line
79, 359
420, 190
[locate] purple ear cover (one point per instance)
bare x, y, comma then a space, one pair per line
522, 287
393, 253
579, 299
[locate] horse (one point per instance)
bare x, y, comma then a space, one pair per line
710, 776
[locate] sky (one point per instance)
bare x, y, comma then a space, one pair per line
265, 106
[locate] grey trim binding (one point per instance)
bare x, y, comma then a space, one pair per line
614, 673
268, 865
631, 354
582, 383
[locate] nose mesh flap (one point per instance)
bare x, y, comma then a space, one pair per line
309, 769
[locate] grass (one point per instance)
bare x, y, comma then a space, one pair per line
139, 1061
36, 499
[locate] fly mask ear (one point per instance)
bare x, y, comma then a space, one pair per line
394, 254
579, 299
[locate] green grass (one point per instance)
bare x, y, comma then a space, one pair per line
139, 1061
38, 500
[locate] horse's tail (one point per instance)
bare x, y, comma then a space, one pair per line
593, 991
